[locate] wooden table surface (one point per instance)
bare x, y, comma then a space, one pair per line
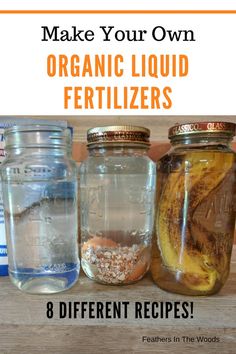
25, 328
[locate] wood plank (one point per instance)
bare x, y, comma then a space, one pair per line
20, 308
24, 327
104, 339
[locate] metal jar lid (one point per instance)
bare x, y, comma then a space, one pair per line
33, 136
198, 128
118, 134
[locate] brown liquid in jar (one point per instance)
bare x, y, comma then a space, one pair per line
195, 221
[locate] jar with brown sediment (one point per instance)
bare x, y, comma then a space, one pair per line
196, 215
117, 198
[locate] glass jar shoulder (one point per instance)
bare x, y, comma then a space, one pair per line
44, 165
117, 165
211, 157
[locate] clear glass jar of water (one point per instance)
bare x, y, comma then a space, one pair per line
117, 185
39, 181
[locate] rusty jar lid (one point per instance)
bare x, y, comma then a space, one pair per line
198, 128
118, 134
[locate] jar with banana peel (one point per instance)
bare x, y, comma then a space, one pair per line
196, 215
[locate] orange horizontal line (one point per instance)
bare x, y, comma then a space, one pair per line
117, 12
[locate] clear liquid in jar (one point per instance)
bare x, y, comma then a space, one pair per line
41, 218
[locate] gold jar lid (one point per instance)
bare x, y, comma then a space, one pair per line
118, 134
202, 128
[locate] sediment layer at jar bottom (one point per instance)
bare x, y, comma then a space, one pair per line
110, 262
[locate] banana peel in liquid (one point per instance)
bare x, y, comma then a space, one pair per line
179, 235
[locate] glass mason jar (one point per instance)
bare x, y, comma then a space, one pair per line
117, 184
40, 200
196, 216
